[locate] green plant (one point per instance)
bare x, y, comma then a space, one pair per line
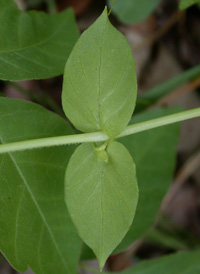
184, 4
101, 192
34, 45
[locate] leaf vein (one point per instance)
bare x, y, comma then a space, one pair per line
38, 208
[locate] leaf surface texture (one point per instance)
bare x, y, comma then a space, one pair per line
35, 228
99, 88
34, 45
101, 196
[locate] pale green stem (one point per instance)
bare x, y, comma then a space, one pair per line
111, 7
162, 121
99, 136
52, 7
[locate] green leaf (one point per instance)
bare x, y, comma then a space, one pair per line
101, 194
35, 228
34, 45
184, 4
183, 262
187, 263
154, 152
99, 89
133, 11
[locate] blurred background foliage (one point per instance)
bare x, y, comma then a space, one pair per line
165, 39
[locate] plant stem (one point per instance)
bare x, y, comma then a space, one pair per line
32, 4
54, 141
52, 7
99, 136
165, 88
192, 86
111, 7
151, 96
162, 121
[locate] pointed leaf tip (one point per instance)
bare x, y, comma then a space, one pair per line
100, 87
101, 196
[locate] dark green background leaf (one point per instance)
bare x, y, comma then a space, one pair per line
34, 45
184, 4
154, 153
180, 263
101, 196
99, 89
133, 11
35, 228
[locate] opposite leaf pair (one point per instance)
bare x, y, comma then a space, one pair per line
99, 94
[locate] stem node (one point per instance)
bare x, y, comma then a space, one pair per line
99, 136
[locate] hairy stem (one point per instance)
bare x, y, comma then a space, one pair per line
158, 122
99, 136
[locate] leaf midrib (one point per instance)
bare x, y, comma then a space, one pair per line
102, 211
100, 68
